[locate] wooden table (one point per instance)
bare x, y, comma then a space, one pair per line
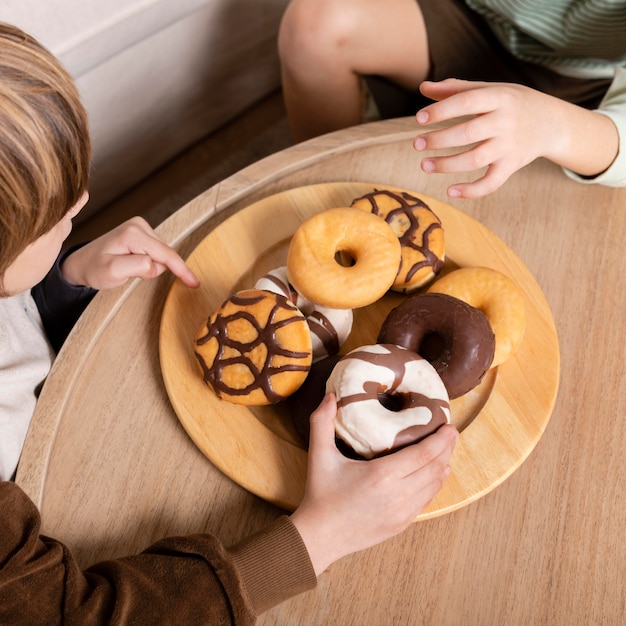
112, 470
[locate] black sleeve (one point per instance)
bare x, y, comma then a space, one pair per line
60, 304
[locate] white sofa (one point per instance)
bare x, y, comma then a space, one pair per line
155, 75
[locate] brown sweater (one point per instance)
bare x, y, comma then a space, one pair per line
180, 580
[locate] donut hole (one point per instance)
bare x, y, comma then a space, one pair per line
347, 450
431, 346
395, 402
345, 258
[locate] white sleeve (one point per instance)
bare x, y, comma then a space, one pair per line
614, 106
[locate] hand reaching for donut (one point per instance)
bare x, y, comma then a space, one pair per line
352, 505
510, 126
132, 250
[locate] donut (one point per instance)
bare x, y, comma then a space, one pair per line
313, 265
418, 229
453, 336
329, 327
302, 403
255, 349
497, 296
387, 398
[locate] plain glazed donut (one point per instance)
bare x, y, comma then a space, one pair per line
255, 349
453, 336
329, 327
418, 229
367, 240
497, 296
387, 397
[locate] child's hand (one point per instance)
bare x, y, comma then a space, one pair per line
511, 126
132, 250
352, 505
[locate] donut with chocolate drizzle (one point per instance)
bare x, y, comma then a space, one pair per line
387, 397
419, 230
329, 327
255, 349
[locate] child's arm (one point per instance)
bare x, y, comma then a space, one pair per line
511, 125
132, 250
352, 505
348, 506
180, 580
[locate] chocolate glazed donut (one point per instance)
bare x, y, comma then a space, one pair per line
453, 336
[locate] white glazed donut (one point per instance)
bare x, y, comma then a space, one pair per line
387, 397
329, 327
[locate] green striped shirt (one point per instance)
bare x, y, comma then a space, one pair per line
579, 38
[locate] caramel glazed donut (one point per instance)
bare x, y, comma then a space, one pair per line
255, 349
451, 334
329, 327
418, 229
387, 397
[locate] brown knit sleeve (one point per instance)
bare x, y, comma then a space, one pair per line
185, 580
274, 565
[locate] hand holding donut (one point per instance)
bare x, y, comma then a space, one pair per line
352, 505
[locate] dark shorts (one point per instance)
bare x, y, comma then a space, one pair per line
461, 45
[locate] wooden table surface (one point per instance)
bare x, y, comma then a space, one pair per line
112, 470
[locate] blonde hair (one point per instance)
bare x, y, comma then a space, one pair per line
45, 151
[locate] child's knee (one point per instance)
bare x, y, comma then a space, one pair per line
313, 28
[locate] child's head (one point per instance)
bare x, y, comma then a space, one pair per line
45, 150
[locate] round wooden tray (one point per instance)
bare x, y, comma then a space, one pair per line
500, 421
